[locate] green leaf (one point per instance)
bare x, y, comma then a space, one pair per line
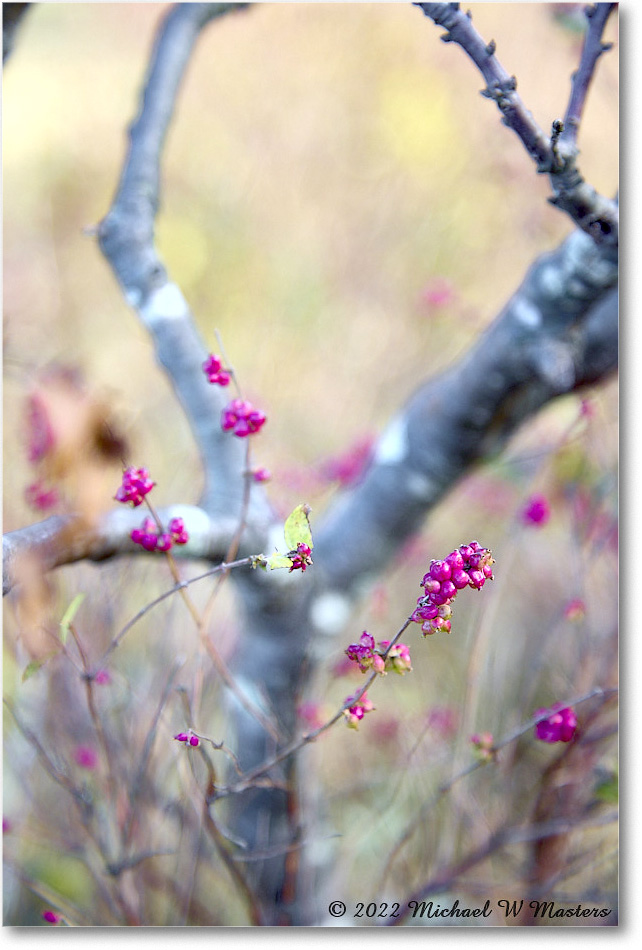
297, 528
278, 560
69, 615
607, 790
35, 665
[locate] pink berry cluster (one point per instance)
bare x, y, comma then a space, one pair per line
301, 558
241, 416
468, 566
188, 738
135, 485
39, 496
357, 710
559, 725
368, 656
152, 539
483, 746
213, 369
41, 442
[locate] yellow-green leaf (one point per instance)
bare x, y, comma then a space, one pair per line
69, 615
278, 560
297, 528
35, 665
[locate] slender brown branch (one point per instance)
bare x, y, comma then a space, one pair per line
594, 214
597, 15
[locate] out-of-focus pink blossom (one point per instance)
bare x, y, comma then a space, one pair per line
86, 757
536, 511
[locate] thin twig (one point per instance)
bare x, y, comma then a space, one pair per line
593, 48
590, 211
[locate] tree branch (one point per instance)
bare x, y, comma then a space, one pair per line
597, 16
126, 237
12, 19
66, 539
591, 212
557, 334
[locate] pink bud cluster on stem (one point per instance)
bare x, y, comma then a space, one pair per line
242, 418
213, 369
150, 537
368, 656
301, 558
188, 738
357, 710
136, 484
470, 565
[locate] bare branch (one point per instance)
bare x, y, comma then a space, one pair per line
126, 237
557, 334
65, 539
591, 212
593, 48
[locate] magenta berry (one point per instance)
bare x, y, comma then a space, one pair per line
362, 652
177, 531
152, 539
135, 485
536, 511
440, 570
164, 542
455, 560
241, 416
213, 369
188, 738
301, 558
559, 725
262, 475
460, 578
357, 710
51, 917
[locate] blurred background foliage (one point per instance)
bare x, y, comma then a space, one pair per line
343, 206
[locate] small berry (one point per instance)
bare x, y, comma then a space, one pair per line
188, 738
357, 710
51, 917
301, 558
164, 542
536, 511
559, 725
212, 367
440, 570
